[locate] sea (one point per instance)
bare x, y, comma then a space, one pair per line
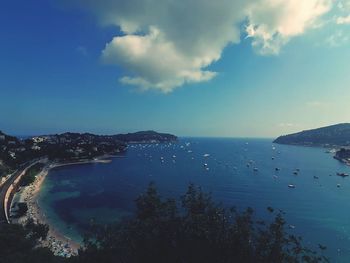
237, 172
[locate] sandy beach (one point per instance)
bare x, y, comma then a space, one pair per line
56, 241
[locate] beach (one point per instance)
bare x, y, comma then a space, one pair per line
58, 243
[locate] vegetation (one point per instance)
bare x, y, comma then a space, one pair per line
22, 209
31, 173
69, 146
4, 170
196, 231
37, 231
146, 136
18, 244
335, 135
343, 155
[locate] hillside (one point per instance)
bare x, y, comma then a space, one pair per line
334, 135
69, 146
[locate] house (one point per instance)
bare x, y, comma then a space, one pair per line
38, 139
36, 148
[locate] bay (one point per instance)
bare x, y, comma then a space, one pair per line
74, 196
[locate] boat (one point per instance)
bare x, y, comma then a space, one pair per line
338, 185
255, 169
295, 173
206, 155
277, 169
342, 174
291, 186
315, 177
291, 226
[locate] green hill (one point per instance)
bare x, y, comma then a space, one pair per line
334, 135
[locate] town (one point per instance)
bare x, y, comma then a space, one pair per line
68, 146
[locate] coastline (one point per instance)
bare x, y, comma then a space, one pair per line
344, 161
55, 241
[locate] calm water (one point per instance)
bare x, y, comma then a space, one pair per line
320, 211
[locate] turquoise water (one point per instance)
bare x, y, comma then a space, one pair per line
73, 196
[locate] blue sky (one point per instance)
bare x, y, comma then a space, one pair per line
78, 67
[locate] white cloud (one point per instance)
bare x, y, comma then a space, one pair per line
273, 22
167, 43
344, 5
337, 39
156, 61
343, 20
342, 17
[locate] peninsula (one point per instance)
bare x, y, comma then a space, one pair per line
334, 136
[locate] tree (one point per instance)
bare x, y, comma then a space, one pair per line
22, 209
37, 231
196, 229
18, 244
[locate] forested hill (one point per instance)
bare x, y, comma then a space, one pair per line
145, 136
334, 135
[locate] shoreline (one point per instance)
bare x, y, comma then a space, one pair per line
58, 243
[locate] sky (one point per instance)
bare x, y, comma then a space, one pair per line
225, 68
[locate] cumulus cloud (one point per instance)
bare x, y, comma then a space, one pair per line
156, 61
273, 22
165, 44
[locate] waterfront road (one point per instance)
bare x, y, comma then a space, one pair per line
5, 204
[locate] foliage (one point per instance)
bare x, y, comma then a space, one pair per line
37, 231
31, 173
22, 209
197, 230
342, 154
18, 244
